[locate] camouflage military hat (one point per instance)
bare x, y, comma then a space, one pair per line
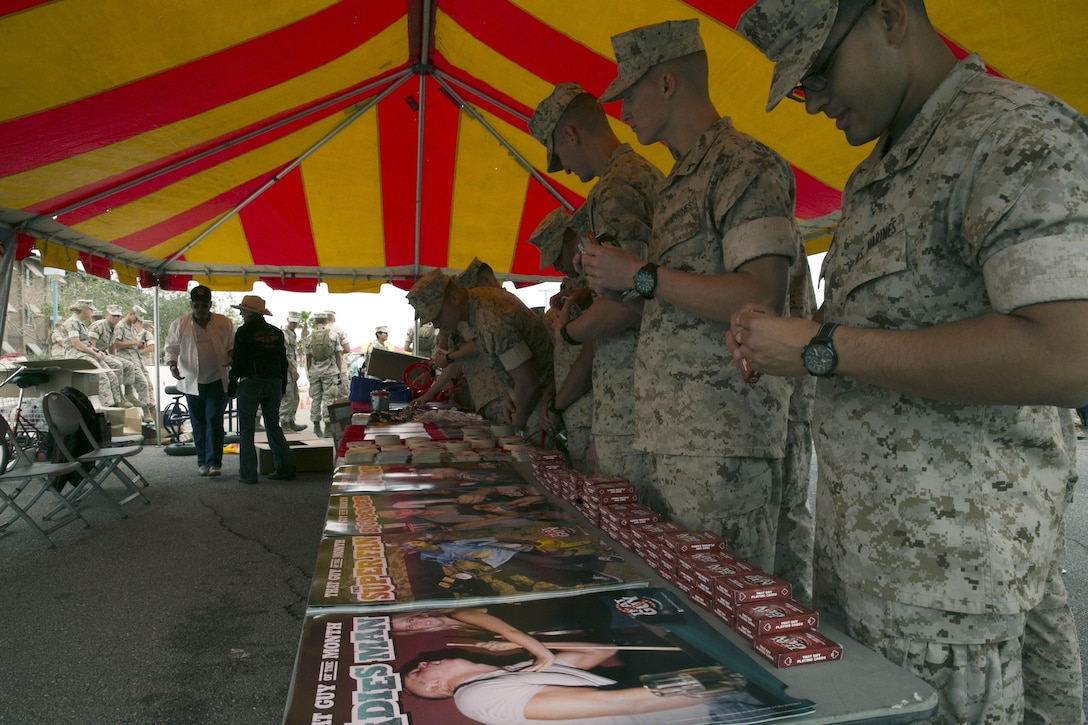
80, 305
320, 317
546, 118
113, 310
548, 236
468, 278
639, 50
428, 294
140, 313
294, 317
580, 221
791, 34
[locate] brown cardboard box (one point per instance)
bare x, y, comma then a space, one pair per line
310, 455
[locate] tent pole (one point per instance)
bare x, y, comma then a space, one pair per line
419, 168
445, 82
424, 49
9, 241
158, 370
161, 269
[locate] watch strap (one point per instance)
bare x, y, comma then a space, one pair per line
825, 332
566, 336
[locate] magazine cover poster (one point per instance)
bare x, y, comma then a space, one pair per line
444, 510
631, 656
399, 569
372, 478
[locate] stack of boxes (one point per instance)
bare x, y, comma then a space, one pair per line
755, 604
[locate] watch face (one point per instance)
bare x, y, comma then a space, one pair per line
819, 359
644, 283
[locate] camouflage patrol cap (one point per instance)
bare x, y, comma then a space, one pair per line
546, 118
294, 317
639, 50
113, 310
428, 294
140, 313
548, 236
80, 305
791, 34
320, 317
580, 221
469, 278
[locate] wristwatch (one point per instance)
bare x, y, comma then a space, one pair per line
566, 336
819, 356
645, 281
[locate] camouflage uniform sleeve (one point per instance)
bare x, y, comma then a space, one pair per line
754, 216
497, 334
1025, 220
621, 211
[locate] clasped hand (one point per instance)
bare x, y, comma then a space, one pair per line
768, 343
609, 268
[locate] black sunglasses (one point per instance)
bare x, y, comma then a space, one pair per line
816, 81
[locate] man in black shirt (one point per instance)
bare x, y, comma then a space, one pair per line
258, 377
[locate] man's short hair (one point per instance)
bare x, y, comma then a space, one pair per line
546, 117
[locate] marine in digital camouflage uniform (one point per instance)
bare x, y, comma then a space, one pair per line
100, 333
424, 347
341, 338
723, 231
77, 344
127, 341
324, 377
946, 459
56, 341
568, 402
289, 404
506, 332
481, 392
578, 138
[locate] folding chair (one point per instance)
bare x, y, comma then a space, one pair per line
64, 421
24, 474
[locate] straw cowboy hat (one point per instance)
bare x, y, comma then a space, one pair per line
252, 303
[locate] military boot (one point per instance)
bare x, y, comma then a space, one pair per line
317, 429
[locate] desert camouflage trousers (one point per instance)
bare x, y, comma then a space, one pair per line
289, 404
796, 525
324, 390
109, 385
986, 668
736, 498
617, 456
578, 440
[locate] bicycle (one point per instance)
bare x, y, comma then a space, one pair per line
28, 436
174, 414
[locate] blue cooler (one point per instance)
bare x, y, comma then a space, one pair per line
398, 392
362, 387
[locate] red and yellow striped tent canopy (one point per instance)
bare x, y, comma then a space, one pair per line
361, 141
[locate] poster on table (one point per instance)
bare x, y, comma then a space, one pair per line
637, 655
372, 478
406, 570
500, 506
